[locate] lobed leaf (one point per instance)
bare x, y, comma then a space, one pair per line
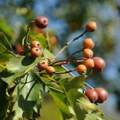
28, 96
19, 67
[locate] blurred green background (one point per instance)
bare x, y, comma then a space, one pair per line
67, 19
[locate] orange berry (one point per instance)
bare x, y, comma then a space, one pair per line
88, 43
89, 63
91, 26
35, 52
81, 69
42, 64
35, 44
88, 53
50, 69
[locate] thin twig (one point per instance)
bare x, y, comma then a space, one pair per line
65, 61
26, 36
78, 51
89, 86
68, 43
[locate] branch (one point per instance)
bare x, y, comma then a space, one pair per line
68, 43
61, 62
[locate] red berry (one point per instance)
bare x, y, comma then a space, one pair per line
92, 95
41, 22
50, 69
88, 53
102, 95
88, 43
35, 52
35, 44
81, 69
89, 63
99, 63
91, 26
42, 64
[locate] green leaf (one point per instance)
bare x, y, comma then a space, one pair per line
5, 44
2, 68
72, 82
49, 110
60, 100
19, 67
2, 49
28, 96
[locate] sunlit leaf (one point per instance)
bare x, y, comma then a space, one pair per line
72, 82
49, 110
60, 100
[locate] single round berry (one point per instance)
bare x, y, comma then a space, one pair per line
35, 52
41, 22
50, 69
42, 64
35, 44
91, 95
81, 69
88, 43
91, 26
99, 63
102, 95
88, 53
89, 63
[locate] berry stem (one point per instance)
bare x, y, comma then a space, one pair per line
69, 43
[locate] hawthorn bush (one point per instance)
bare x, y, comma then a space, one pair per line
34, 85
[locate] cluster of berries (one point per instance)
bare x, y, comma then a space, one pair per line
97, 95
40, 22
35, 49
90, 62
